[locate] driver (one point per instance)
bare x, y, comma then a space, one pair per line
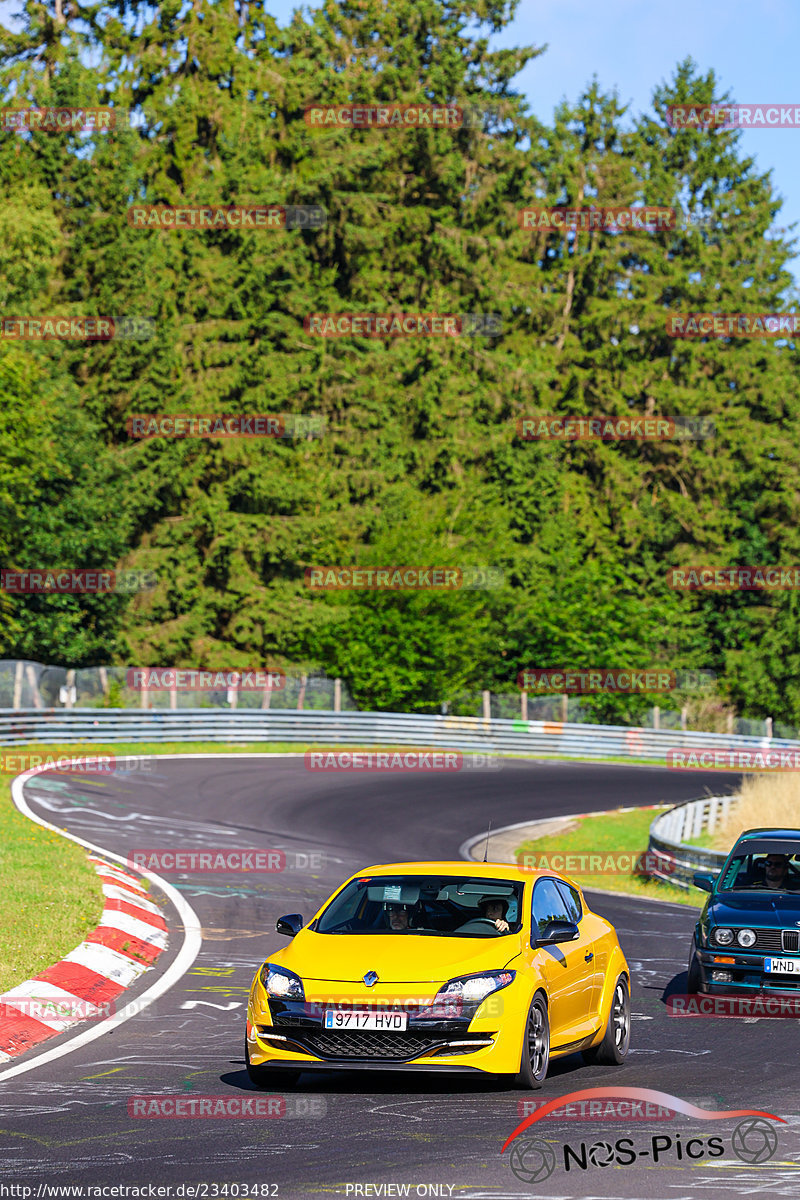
493, 908
776, 873
397, 916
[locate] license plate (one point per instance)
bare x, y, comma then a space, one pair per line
336, 1019
782, 966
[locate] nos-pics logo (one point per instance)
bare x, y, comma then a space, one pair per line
753, 1141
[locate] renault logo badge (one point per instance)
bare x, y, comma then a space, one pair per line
371, 978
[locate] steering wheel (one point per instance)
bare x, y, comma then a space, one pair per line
479, 921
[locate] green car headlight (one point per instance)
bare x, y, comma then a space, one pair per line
281, 984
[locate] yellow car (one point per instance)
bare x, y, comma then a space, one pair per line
441, 966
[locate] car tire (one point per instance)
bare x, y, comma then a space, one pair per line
535, 1046
613, 1049
694, 980
269, 1077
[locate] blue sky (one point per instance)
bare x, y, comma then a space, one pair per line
633, 45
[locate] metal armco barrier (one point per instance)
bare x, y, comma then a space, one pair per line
492, 736
688, 820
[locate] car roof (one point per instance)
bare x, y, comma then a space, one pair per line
769, 832
458, 867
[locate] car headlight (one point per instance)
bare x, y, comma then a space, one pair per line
468, 990
746, 937
723, 936
280, 983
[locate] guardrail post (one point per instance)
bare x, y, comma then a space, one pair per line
712, 814
17, 701
684, 717
301, 696
143, 699
487, 705
337, 695
768, 727
656, 717
173, 697
523, 705
730, 722
31, 674
564, 707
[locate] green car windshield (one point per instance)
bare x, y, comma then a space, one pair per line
773, 871
425, 906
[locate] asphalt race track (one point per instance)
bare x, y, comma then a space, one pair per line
66, 1121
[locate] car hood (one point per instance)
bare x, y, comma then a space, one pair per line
396, 958
756, 908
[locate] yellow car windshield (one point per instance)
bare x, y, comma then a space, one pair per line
425, 905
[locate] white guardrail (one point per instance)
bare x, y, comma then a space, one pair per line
675, 861
328, 728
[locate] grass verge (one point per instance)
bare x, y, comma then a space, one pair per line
613, 833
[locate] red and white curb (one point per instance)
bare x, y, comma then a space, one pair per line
131, 935
83, 986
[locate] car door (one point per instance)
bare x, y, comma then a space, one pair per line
568, 972
595, 949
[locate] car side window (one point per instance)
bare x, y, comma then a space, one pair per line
548, 905
572, 900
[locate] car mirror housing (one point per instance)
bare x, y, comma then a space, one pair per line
704, 881
289, 925
558, 931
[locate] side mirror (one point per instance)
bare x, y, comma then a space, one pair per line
289, 925
558, 931
703, 881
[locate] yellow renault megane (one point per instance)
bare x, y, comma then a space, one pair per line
441, 966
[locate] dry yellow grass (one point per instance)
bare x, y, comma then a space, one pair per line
768, 799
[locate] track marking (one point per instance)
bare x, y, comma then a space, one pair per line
192, 940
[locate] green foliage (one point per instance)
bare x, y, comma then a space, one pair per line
420, 463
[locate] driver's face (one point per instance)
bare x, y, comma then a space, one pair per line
777, 868
494, 910
398, 918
